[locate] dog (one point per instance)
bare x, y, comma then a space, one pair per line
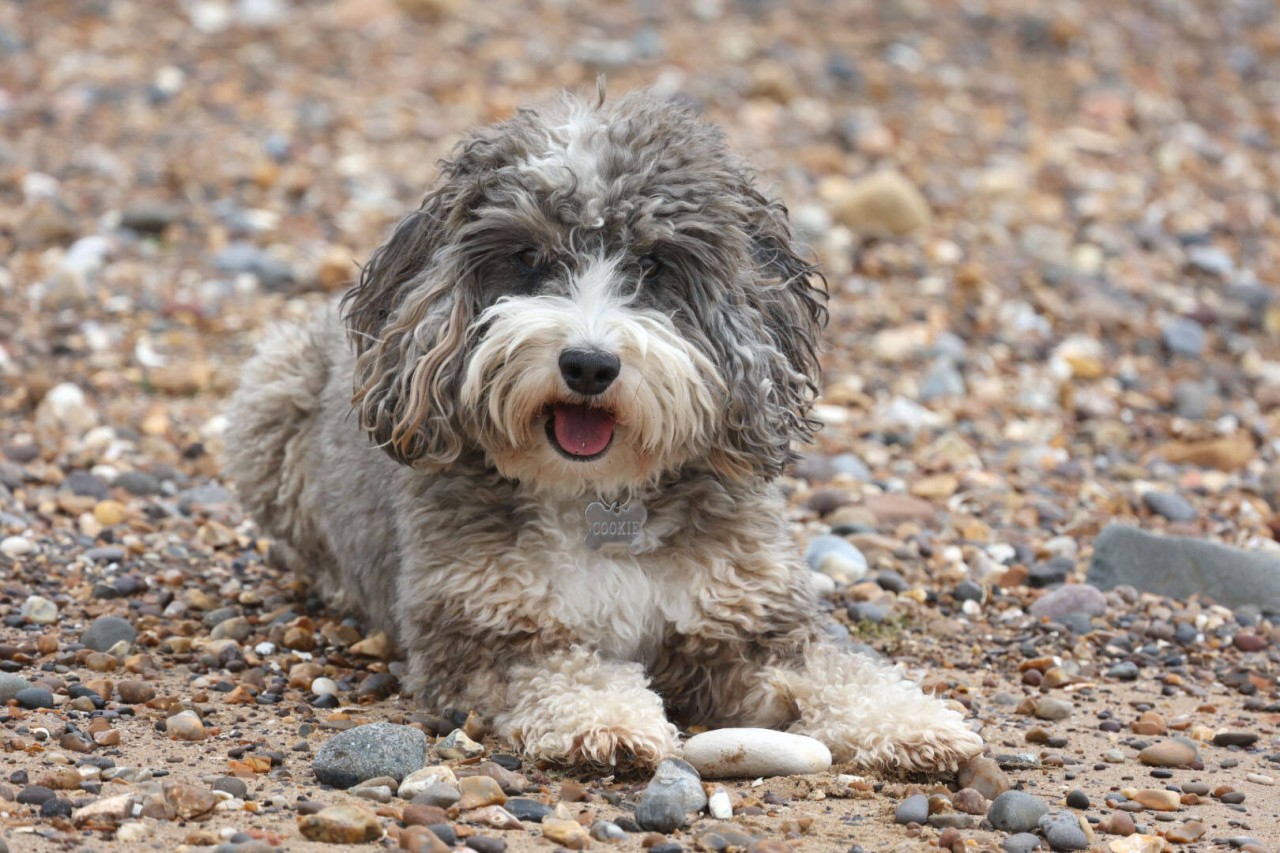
538, 444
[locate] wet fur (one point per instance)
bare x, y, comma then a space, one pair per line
394, 450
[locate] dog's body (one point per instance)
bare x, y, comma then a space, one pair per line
595, 305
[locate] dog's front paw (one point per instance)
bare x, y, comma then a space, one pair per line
940, 748
618, 746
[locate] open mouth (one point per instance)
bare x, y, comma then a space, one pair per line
581, 433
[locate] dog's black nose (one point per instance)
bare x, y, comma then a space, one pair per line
589, 371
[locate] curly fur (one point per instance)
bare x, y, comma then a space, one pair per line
442, 513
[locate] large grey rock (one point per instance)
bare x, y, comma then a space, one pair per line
11, 685
377, 749
1015, 811
1179, 567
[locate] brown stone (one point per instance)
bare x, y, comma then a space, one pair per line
566, 833
479, 791
135, 692
419, 839
423, 814
894, 509
346, 823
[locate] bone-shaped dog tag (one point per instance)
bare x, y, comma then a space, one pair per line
607, 523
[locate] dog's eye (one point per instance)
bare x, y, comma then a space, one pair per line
650, 268
528, 260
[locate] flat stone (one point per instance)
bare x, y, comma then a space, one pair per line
1235, 739
1186, 833
364, 752
1171, 506
1169, 753
1022, 842
1157, 800
1137, 844
347, 823
479, 791
32, 698
569, 834
1069, 600
530, 811
746, 753
1015, 811
1052, 708
1180, 567
106, 631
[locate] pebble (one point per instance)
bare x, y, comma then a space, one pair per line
16, 546
1022, 842
875, 204
185, 725
914, 809
458, 745
719, 806
420, 780
1063, 832
834, 555
134, 692
1123, 671
752, 753
364, 752
530, 811
1077, 799
603, 830
441, 794
1015, 811
1171, 506
567, 833
346, 823
11, 685
38, 610
324, 687
106, 631
1183, 336
479, 791
1070, 600
1169, 753
486, 844
1186, 833
969, 801
32, 698
984, 775
1052, 708
1157, 800
674, 791
1137, 844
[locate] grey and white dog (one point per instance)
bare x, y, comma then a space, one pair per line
577, 370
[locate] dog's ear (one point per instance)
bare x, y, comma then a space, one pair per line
773, 347
408, 317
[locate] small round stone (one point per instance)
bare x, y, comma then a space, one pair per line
133, 692
1077, 799
38, 610
185, 726
106, 631
1016, 811
914, 809
1051, 708
1062, 831
324, 687
1169, 753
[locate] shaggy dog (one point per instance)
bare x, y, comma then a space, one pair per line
577, 370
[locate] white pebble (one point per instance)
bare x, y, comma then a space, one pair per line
16, 546
39, 611
748, 753
324, 687
720, 806
265, 648
1259, 779
420, 780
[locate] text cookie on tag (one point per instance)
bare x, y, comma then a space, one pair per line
614, 524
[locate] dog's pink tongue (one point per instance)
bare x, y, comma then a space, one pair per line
582, 430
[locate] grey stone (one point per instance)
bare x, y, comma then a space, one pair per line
376, 749
848, 465
1124, 671
1023, 842
106, 631
1016, 811
1210, 260
673, 792
1071, 599
914, 809
85, 485
530, 811
440, 794
148, 217
1062, 831
1180, 567
1191, 400
943, 380
1050, 572
1183, 337
1171, 506
241, 257
137, 483
231, 785
10, 685
34, 697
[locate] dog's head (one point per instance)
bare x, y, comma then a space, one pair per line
592, 296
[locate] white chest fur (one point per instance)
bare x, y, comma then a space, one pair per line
617, 602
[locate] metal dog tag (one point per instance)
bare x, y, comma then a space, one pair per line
611, 523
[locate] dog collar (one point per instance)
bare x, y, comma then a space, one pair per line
614, 523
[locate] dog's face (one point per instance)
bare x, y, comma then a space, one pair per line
593, 297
